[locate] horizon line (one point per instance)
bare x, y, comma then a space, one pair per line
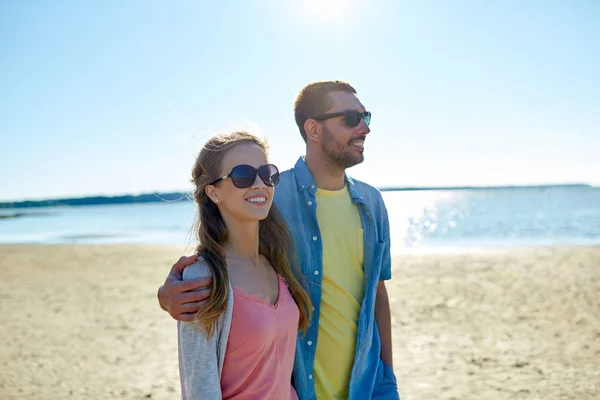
381, 188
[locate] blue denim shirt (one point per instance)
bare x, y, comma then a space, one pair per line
295, 198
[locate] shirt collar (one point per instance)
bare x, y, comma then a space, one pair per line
305, 181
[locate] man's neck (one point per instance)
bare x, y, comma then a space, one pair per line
326, 175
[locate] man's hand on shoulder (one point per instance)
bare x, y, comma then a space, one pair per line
182, 299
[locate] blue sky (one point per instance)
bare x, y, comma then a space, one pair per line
111, 97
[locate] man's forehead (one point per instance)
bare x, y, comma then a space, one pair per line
340, 100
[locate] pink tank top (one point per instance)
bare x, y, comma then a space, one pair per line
260, 350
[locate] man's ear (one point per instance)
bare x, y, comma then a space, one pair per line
313, 130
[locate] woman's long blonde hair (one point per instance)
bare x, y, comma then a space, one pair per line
275, 239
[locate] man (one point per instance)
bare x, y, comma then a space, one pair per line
343, 250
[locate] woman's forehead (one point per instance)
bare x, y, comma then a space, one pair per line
244, 153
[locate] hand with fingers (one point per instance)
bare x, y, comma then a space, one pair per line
182, 299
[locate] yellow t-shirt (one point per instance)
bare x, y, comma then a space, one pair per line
341, 292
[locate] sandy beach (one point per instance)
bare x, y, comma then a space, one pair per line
82, 322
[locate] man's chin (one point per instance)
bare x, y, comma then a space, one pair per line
355, 161
348, 161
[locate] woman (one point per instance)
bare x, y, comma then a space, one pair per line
241, 344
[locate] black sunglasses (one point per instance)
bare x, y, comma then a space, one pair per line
243, 176
352, 117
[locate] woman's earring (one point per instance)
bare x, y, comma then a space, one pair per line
217, 200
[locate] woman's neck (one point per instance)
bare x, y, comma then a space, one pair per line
243, 242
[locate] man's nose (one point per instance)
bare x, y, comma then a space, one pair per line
364, 128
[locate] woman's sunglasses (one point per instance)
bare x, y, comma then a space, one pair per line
243, 176
351, 117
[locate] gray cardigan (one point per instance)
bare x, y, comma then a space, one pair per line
200, 357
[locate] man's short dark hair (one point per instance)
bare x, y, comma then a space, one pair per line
313, 100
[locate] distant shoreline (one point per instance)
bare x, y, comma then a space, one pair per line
177, 196
506, 187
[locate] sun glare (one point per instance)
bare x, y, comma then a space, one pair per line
338, 12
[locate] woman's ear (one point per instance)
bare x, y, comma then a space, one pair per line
212, 194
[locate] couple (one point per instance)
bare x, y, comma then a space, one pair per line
251, 325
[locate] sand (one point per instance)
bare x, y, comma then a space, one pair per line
83, 322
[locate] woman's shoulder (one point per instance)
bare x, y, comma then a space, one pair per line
199, 269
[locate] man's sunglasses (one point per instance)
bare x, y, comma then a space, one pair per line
352, 117
243, 176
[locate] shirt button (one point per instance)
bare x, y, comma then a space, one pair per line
314, 238
309, 203
310, 342
310, 377
316, 272
312, 186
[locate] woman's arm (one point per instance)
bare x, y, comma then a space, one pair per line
198, 354
198, 364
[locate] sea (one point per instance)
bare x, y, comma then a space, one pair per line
420, 220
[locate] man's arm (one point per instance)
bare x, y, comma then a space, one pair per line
384, 323
182, 299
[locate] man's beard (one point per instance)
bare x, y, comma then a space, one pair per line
338, 153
